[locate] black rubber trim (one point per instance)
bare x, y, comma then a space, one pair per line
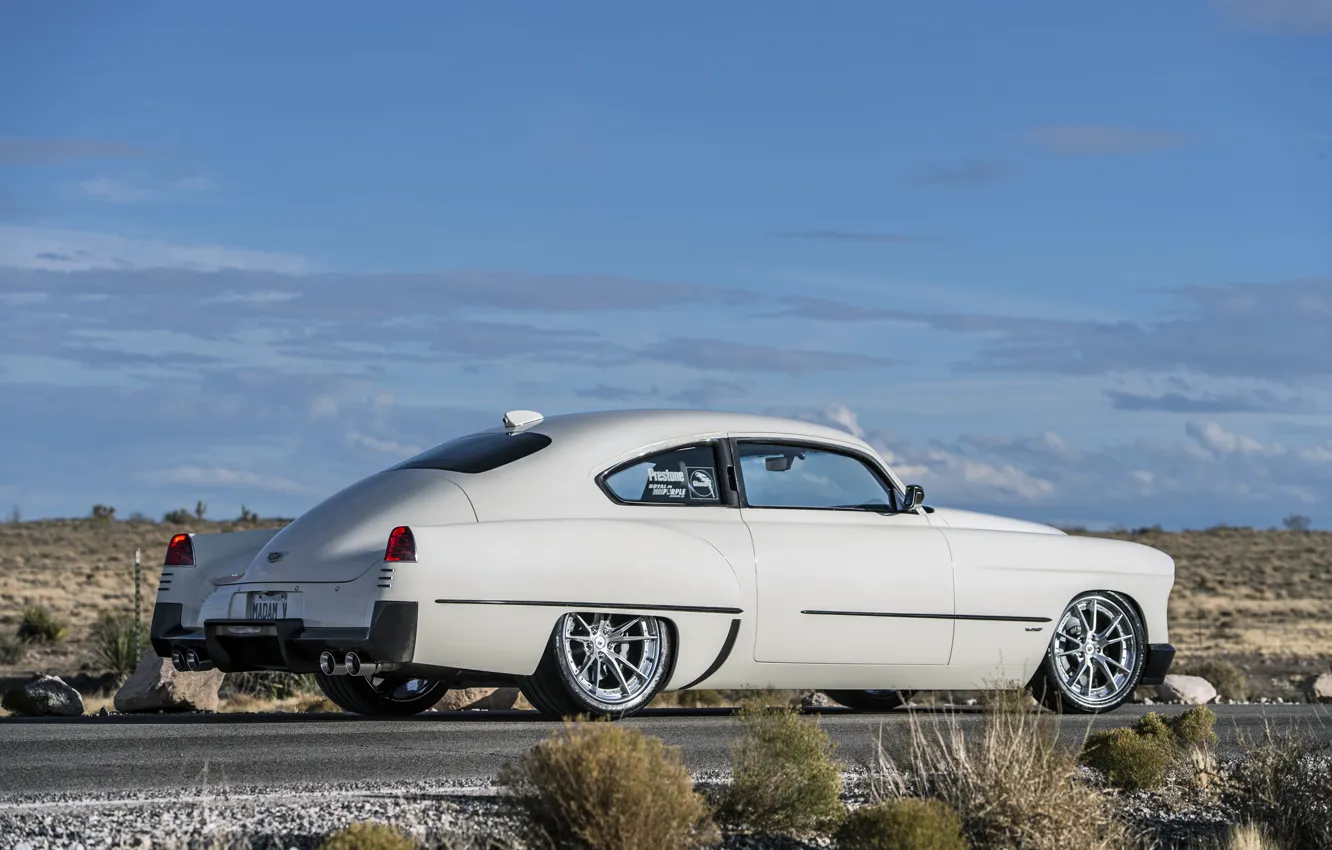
725, 653
1159, 658
165, 625
691, 609
995, 618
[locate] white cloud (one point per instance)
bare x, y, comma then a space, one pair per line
221, 477
72, 250
116, 191
1219, 441
356, 438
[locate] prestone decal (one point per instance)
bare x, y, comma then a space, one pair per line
666, 483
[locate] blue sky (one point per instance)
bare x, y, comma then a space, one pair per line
1056, 261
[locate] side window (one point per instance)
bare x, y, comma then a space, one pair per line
778, 476
686, 476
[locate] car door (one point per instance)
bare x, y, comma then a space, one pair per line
843, 577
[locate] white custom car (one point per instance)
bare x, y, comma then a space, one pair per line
597, 559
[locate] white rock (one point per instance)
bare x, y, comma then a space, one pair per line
44, 696
1189, 690
1320, 689
157, 686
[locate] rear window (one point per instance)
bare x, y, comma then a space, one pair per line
478, 452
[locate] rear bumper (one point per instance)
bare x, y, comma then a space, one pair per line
235, 646
1159, 658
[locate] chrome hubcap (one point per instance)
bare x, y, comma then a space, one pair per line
613, 658
1095, 650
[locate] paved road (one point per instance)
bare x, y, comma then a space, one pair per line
129, 754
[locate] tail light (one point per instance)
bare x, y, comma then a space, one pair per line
180, 552
401, 545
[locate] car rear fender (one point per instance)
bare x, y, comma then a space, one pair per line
492, 592
218, 559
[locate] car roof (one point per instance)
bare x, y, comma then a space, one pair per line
604, 436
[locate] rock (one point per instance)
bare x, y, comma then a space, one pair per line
494, 699
157, 686
1188, 690
44, 696
1320, 689
815, 699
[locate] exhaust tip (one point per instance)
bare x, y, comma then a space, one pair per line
191, 660
327, 663
178, 659
353, 662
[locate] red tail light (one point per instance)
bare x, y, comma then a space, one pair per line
180, 552
401, 545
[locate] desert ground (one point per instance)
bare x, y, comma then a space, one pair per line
1261, 599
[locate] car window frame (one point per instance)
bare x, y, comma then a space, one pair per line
894, 495
724, 469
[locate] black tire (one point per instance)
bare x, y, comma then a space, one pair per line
1050, 684
554, 688
870, 701
386, 698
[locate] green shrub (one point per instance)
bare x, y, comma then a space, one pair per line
605, 787
268, 685
1284, 784
180, 516
1129, 760
1011, 781
1194, 728
1153, 725
39, 625
783, 777
114, 645
368, 835
905, 824
1230, 681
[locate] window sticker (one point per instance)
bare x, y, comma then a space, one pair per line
666, 484
702, 483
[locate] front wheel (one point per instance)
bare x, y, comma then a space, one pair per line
378, 696
1095, 657
601, 665
870, 700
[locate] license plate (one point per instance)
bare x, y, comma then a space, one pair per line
267, 606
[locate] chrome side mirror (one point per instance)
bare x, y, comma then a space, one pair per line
913, 498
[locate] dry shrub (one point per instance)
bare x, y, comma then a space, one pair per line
905, 824
1284, 784
368, 835
1230, 681
1012, 783
12, 649
38, 625
268, 685
1130, 761
1139, 758
783, 777
318, 705
605, 787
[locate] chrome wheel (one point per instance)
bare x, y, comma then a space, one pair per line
1096, 651
613, 661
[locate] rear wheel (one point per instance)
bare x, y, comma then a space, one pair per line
379, 696
1095, 657
870, 700
601, 665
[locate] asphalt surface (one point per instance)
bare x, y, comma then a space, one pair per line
142, 753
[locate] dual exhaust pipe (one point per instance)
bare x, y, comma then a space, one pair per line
352, 665
188, 660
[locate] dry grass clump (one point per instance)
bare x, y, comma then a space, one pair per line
1139, 758
1012, 784
903, 824
783, 776
1284, 784
368, 835
1249, 837
604, 787
268, 685
38, 625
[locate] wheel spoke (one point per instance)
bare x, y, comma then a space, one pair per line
1115, 622
1120, 639
635, 638
619, 674
580, 638
591, 656
1123, 667
1110, 682
583, 623
1068, 652
621, 629
1082, 618
627, 663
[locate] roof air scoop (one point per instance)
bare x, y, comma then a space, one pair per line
521, 418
